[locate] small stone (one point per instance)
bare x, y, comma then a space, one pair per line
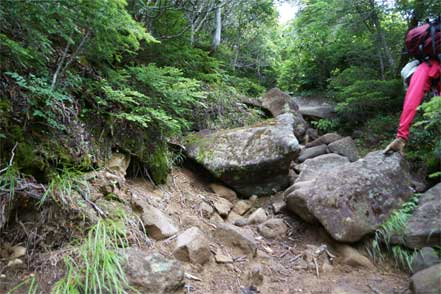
352, 257
216, 219
157, 224
241, 222
273, 228
18, 251
233, 217
222, 206
257, 217
206, 209
236, 237
152, 273
192, 246
223, 192
278, 206
255, 275
242, 206
253, 199
15, 263
220, 257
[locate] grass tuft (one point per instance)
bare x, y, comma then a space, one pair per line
97, 267
394, 227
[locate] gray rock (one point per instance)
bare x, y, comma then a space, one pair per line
257, 217
224, 192
310, 168
345, 147
424, 258
206, 209
427, 281
312, 152
273, 228
325, 139
278, 206
353, 257
242, 206
152, 273
192, 246
322, 163
316, 107
354, 199
157, 224
216, 219
233, 217
236, 237
278, 102
424, 226
222, 206
295, 120
252, 160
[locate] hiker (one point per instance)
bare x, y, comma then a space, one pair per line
422, 74
420, 84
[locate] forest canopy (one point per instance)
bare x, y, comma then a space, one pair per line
139, 72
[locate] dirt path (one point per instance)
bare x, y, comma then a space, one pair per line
281, 261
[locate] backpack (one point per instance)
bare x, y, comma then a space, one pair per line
424, 42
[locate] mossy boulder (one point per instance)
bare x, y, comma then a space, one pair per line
251, 160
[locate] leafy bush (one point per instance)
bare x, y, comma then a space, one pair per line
425, 140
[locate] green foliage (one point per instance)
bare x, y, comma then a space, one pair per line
325, 125
63, 184
425, 142
31, 284
362, 100
394, 226
97, 264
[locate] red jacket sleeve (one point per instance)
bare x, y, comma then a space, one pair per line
420, 84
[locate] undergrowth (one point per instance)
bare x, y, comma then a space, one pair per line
96, 266
63, 184
394, 227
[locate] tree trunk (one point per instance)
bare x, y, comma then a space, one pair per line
218, 31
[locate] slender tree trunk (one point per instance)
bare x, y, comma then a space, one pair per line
192, 32
218, 31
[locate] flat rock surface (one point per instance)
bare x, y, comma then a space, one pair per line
252, 160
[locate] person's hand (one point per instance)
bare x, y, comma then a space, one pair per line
397, 145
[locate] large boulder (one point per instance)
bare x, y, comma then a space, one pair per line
152, 273
278, 102
345, 147
427, 281
424, 226
251, 160
310, 168
316, 107
354, 199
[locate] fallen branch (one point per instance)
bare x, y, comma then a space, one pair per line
11, 160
